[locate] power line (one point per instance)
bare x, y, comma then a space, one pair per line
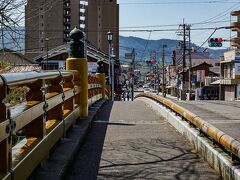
146, 45
180, 2
129, 30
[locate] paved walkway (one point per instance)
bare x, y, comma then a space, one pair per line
130, 141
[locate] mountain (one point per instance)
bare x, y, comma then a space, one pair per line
143, 47
14, 38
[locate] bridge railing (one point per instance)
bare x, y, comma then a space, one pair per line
52, 106
229, 144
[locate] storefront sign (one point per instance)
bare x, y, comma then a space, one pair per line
237, 55
232, 55
92, 67
237, 71
229, 55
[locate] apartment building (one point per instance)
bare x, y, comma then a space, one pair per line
49, 22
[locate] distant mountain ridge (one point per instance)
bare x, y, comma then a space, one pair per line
143, 47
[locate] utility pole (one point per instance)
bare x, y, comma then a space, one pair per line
113, 71
190, 60
184, 61
182, 95
47, 39
133, 75
163, 71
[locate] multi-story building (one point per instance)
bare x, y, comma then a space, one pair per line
230, 65
48, 23
230, 76
102, 16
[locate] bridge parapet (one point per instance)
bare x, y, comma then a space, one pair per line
51, 107
220, 138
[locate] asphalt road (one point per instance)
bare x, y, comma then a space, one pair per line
224, 115
130, 141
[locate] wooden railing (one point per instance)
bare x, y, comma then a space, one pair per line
51, 108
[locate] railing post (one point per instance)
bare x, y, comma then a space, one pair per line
77, 61
102, 79
5, 145
37, 93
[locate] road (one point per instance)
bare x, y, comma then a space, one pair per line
225, 115
128, 140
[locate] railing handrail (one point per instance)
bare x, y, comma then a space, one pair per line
217, 135
45, 117
13, 79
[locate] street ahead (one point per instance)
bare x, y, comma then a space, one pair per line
128, 140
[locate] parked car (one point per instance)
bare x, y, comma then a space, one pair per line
147, 90
155, 92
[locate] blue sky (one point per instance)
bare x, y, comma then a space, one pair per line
172, 12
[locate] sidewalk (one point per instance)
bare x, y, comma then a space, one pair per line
130, 141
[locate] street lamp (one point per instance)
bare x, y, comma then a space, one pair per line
47, 39
110, 38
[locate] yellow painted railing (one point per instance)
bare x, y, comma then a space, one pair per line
217, 135
52, 106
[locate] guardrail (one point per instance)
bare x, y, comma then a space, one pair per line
52, 106
219, 138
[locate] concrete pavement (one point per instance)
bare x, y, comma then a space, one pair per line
128, 140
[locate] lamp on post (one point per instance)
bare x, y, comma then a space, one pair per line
110, 38
47, 39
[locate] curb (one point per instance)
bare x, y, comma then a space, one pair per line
217, 159
63, 153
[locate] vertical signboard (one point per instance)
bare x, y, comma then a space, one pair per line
237, 55
238, 91
200, 75
203, 75
237, 71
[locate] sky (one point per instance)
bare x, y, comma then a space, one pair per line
157, 13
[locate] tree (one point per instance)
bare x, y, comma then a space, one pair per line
11, 18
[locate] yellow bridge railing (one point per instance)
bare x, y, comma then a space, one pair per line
218, 136
52, 106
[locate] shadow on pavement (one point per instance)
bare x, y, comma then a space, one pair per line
151, 159
86, 163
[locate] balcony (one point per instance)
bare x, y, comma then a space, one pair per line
67, 23
66, 6
67, 15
